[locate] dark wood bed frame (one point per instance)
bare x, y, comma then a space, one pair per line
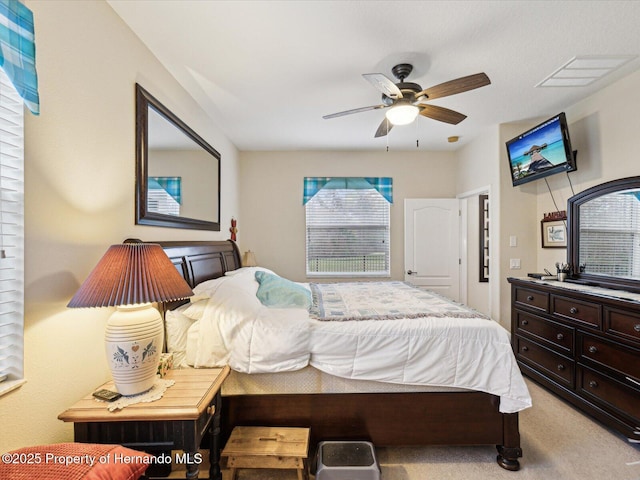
385, 419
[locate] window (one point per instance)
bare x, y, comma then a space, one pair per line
11, 234
610, 247
347, 230
164, 195
18, 87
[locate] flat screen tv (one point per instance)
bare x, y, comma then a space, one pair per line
541, 151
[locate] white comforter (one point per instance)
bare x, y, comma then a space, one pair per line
470, 353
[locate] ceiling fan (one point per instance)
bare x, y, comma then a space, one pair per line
404, 99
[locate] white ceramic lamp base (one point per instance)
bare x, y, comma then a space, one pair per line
133, 340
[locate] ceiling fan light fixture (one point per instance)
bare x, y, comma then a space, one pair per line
402, 114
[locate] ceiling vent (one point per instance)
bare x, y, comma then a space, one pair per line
584, 70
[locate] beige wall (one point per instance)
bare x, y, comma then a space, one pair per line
273, 221
604, 130
517, 213
478, 173
79, 199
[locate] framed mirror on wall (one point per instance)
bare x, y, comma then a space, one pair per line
177, 172
604, 234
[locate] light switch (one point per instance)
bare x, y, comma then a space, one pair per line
514, 263
513, 241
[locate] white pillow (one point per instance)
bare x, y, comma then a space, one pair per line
195, 310
177, 325
249, 270
207, 288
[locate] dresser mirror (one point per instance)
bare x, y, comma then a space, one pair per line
604, 235
177, 172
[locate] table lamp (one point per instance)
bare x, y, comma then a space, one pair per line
131, 276
249, 259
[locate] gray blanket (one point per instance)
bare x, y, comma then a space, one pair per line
381, 301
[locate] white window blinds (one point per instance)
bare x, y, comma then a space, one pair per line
347, 233
607, 246
11, 233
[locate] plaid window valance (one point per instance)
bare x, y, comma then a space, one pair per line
171, 185
383, 185
18, 51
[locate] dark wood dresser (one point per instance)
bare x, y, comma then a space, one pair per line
582, 343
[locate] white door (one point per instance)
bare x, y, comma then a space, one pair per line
431, 245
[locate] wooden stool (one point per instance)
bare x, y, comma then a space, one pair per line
267, 447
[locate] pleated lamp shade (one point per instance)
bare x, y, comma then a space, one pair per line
249, 259
129, 274
132, 276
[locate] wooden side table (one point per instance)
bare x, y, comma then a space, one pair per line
267, 447
188, 410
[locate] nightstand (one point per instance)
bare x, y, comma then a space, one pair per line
188, 410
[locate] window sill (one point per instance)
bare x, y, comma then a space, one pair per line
11, 385
348, 275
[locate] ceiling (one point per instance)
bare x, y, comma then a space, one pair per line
267, 71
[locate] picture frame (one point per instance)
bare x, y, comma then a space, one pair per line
554, 233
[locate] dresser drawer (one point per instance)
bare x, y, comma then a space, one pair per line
623, 397
625, 360
532, 298
579, 311
557, 367
554, 333
622, 323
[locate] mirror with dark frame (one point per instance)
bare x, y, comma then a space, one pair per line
604, 235
177, 172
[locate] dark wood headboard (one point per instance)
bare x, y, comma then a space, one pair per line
200, 261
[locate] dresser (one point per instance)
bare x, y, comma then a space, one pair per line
582, 343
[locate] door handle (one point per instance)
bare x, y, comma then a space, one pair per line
411, 272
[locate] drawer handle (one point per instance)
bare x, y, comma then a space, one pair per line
632, 380
561, 367
636, 327
211, 409
525, 349
593, 349
560, 336
593, 384
573, 310
530, 298
525, 322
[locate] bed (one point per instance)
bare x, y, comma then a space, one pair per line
311, 390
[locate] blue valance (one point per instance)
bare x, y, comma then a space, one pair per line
171, 185
18, 51
383, 185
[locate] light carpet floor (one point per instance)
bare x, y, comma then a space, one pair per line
558, 443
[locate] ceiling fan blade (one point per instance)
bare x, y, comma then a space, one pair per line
355, 110
458, 85
384, 84
441, 114
384, 128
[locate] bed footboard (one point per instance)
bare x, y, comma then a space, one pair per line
386, 419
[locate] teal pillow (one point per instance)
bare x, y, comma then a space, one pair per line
278, 292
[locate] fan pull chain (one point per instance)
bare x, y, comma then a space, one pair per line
387, 135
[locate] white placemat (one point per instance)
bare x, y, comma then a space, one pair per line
154, 393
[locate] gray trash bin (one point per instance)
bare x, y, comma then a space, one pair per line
347, 460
